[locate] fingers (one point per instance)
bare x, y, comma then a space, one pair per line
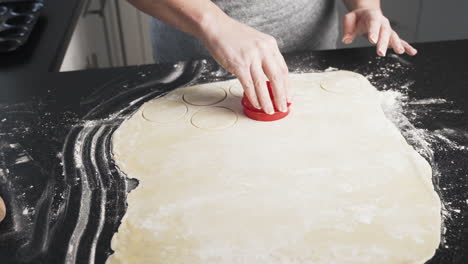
395, 42
277, 80
285, 71
246, 81
388, 37
349, 28
384, 38
277, 72
259, 80
271, 67
400, 46
378, 29
408, 48
373, 30
257, 63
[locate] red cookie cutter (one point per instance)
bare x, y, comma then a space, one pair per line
258, 114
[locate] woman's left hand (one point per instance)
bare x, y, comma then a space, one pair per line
372, 22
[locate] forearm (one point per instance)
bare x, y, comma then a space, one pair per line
358, 4
197, 17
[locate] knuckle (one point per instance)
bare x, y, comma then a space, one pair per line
266, 43
265, 47
277, 77
241, 70
248, 89
248, 86
271, 40
258, 83
245, 60
377, 21
259, 43
262, 50
232, 69
245, 56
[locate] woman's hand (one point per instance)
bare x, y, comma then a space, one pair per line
372, 22
253, 57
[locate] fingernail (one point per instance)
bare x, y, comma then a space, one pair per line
269, 111
347, 40
373, 38
381, 52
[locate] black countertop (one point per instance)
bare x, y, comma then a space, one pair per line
49, 123
47, 44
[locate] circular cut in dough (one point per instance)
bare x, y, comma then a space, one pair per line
164, 111
236, 89
204, 95
214, 118
342, 82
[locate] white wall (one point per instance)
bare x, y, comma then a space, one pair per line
109, 33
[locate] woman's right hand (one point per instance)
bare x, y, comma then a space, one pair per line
253, 57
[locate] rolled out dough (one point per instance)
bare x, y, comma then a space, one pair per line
334, 182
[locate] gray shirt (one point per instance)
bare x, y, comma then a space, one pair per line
296, 25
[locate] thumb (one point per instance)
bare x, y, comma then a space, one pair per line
349, 27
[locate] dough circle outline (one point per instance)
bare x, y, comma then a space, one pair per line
347, 83
204, 95
164, 111
214, 118
235, 89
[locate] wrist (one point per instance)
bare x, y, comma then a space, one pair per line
209, 24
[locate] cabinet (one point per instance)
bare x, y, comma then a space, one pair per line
109, 33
